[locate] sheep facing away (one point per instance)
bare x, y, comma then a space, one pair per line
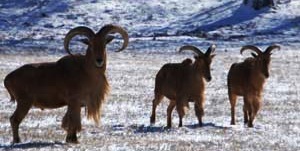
182, 83
73, 81
247, 79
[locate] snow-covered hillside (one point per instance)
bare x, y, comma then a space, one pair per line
33, 31
217, 19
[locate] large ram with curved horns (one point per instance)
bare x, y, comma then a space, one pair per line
182, 83
247, 79
73, 81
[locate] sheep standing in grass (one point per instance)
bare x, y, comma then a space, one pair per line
183, 83
73, 81
247, 79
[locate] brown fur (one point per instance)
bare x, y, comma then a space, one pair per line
247, 79
73, 80
182, 83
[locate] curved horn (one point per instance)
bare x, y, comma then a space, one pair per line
272, 47
192, 48
107, 29
81, 30
251, 47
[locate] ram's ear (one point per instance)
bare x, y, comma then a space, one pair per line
212, 56
109, 38
254, 55
85, 41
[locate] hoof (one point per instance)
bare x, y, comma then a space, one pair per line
250, 125
200, 124
169, 126
152, 120
16, 140
72, 139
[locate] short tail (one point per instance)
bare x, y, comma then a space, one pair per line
229, 77
7, 85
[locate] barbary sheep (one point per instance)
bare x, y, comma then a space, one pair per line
247, 79
73, 81
182, 83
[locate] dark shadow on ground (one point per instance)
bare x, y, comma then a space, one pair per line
293, 23
240, 15
160, 129
149, 129
215, 18
30, 145
28, 13
194, 126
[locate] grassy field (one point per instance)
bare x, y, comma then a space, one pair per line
125, 119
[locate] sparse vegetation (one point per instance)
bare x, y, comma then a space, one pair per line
125, 118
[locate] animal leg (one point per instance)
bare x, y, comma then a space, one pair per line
158, 98
72, 138
180, 109
255, 106
246, 110
17, 117
251, 117
245, 114
169, 113
232, 99
72, 123
199, 111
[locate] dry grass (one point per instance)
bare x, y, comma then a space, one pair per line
126, 118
